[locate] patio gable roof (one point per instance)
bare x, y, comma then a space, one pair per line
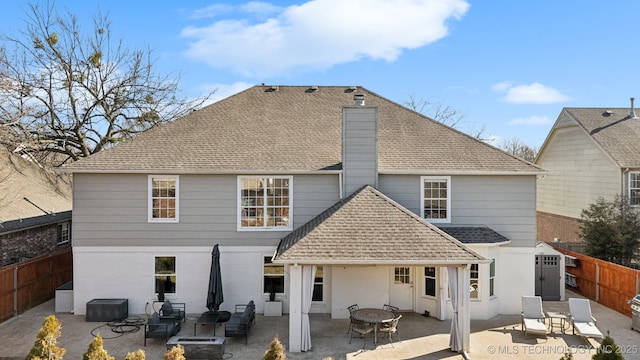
370, 228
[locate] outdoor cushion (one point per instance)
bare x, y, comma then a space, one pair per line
583, 322
533, 315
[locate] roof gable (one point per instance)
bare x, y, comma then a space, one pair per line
612, 129
297, 128
368, 227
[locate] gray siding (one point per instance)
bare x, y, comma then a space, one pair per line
506, 204
360, 148
112, 210
578, 173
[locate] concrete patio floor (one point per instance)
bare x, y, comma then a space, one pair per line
421, 337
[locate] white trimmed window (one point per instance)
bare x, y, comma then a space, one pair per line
273, 275
474, 284
165, 274
64, 233
264, 203
634, 188
163, 198
492, 277
436, 198
318, 285
430, 281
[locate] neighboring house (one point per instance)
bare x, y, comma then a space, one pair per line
383, 202
35, 210
589, 153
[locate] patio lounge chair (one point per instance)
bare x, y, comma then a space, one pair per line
533, 320
581, 319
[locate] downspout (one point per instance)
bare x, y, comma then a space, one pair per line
340, 185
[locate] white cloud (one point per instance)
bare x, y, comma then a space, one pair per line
535, 93
531, 120
319, 34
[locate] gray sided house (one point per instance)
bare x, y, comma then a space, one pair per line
328, 196
589, 153
35, 210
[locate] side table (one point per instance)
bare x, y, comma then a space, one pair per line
562, 320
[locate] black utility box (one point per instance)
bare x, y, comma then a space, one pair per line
104, 310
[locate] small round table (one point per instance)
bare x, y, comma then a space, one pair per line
374, 317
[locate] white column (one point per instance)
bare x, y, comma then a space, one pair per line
295, 308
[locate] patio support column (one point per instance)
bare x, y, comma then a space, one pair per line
464, 315
295, 308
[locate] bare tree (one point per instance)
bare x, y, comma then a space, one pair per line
516, 147
67, 94
445, 114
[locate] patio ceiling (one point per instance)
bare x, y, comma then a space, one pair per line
370, 228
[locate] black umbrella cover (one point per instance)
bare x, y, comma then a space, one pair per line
214, 294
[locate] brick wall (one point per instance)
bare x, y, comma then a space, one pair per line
30, 243
551, 226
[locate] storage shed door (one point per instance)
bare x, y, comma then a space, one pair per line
548, 277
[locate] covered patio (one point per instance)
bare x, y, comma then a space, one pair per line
370, 230
421, 337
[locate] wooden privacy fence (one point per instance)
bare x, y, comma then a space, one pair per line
609, 284
29, 283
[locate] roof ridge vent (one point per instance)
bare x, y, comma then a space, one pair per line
632, 112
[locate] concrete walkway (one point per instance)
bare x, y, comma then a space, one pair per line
421, 337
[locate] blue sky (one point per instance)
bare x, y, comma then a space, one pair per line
508, 65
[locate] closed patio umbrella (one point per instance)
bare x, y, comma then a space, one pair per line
214, 294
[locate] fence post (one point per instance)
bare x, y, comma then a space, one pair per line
15, 291
597, 281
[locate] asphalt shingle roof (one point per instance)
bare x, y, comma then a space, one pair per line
613, 130
474, 234
369, 227
297, 128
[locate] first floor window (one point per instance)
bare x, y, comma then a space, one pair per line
163, 198
273, 277
265, 202
634, 188
165, 274
430, 281
436, 198
473, 282
318, 285
64, 233
492, 277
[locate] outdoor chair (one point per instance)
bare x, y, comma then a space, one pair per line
393, 309
175, 311
390, 327
351, 309
158, 328
360, 327
581, 319
533, 320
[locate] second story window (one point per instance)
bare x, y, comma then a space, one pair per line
634, 188
163, 198
264, 203
436, 198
